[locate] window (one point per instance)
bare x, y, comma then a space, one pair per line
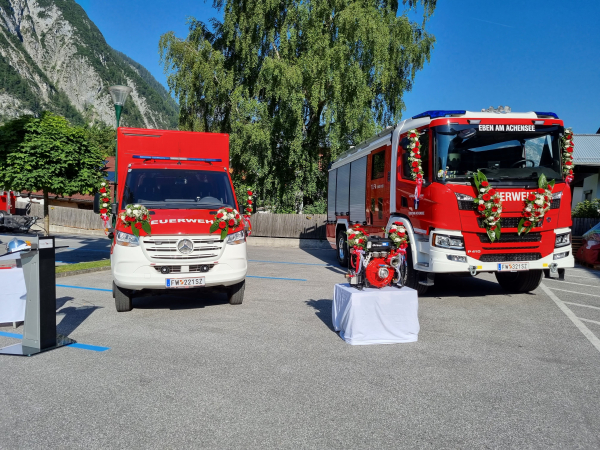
378, 165
405, 153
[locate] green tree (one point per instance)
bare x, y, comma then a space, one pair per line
587, 209
48, 155
102, 136
295, 84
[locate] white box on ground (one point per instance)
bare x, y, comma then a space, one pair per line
375, 316
13, 293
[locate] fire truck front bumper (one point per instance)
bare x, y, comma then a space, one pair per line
452, 261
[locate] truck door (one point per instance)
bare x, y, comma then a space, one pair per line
378, 197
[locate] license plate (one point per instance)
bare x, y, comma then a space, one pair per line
512, 267
184, 282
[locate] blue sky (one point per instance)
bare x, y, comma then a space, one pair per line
531, 55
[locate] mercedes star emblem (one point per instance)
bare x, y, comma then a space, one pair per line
185, 246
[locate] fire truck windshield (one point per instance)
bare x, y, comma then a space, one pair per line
178, 189
501, 152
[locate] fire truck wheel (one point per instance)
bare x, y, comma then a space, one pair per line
235, 293
342, 248
411, 278
122, 299
520, 281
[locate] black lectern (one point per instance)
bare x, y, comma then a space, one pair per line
39, 331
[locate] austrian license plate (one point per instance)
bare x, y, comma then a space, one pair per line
184, 282
512, 267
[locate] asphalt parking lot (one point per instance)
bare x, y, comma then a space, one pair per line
490, 370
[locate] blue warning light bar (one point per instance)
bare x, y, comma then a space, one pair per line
174, 158
546, 114
434, 114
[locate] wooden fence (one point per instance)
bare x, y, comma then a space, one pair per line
69, 217
305, 226
580, 226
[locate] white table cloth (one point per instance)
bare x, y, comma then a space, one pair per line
375, 316
13, 293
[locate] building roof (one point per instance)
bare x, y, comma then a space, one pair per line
587, 149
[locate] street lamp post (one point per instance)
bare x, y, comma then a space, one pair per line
119, 95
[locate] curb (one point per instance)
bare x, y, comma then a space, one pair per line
82, 271
259, 241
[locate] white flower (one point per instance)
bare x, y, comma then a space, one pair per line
481, 202
128, 211
482, 190
104, 205
137, 213
528, 209
102, 184
539, 201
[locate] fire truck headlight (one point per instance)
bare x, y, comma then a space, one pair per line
444, 241
463, 197
562, 240
127, 240
236, 238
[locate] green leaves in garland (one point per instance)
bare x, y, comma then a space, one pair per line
488, 205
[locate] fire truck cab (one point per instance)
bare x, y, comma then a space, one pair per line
372, 184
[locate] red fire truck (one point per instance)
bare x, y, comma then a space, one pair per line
182, 178
372, 184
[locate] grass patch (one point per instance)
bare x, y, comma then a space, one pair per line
82, 266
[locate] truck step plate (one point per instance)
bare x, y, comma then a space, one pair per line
513, 267
184, 282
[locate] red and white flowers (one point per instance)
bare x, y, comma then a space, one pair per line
226, 220
137, 217
567, 153
398, 235
537, 205
104, 203
488, 205
248, 207
414, 157
357, 238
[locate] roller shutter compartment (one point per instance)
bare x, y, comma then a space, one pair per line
342, 195
331, 195
358, 190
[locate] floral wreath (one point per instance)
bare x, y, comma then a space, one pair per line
104, 203
357, 238
414, 158
567, 154
537, 205
136, 217
489, 205
227, 219
398, 235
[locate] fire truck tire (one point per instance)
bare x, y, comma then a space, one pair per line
122, 299
235, 293
412, 276
520, 281
342, 248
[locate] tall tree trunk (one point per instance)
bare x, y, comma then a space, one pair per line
46, 215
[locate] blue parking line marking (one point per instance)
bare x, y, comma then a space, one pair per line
83, 287
276, 278
285, 262
107, 250
93, 348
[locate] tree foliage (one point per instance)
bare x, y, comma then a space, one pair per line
587, 209
296, 83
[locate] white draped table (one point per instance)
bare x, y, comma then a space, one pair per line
13, 293
375, 316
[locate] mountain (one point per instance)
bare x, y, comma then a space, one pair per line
53, 57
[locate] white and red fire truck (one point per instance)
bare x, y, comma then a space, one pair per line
182, 178
372, 184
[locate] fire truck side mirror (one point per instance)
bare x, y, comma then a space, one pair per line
97, 203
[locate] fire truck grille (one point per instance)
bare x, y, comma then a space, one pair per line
466, 205
192, 269
505, 222
511, 237
555, 203
166, 248
506, 257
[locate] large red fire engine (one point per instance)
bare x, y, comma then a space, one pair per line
182, 178
372, 184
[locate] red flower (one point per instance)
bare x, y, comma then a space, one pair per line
481, 207
416, 169
492, 191
494, 208
485, 183
569, 149
540, 191
403, 245
527, 223
144, 217
415, 164
249, 202
401, 234
360, 241
537, 213
527, 214
231, 222
570, 172
397, 223
486, 197
496, 201
229, 210
569, 163
531, 197
138, 226
545, 205
103, 211
417, 156
417, 144
493, 227
249, 192
130, 219
545, 197
222, 225
219, 215
413, 135
237, 216
103, 190
352, 236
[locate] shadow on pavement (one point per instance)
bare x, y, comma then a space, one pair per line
176, 302
73, 316
322, 310
325, 255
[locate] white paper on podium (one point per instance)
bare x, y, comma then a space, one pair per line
375, 316
13, 293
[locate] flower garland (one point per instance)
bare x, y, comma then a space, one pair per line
136, 217
414, 158
537, 205
567, 155
489, 205
248, 208
104, 203
398, 235
227, 219
357, 238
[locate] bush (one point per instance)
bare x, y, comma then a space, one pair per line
587, 209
